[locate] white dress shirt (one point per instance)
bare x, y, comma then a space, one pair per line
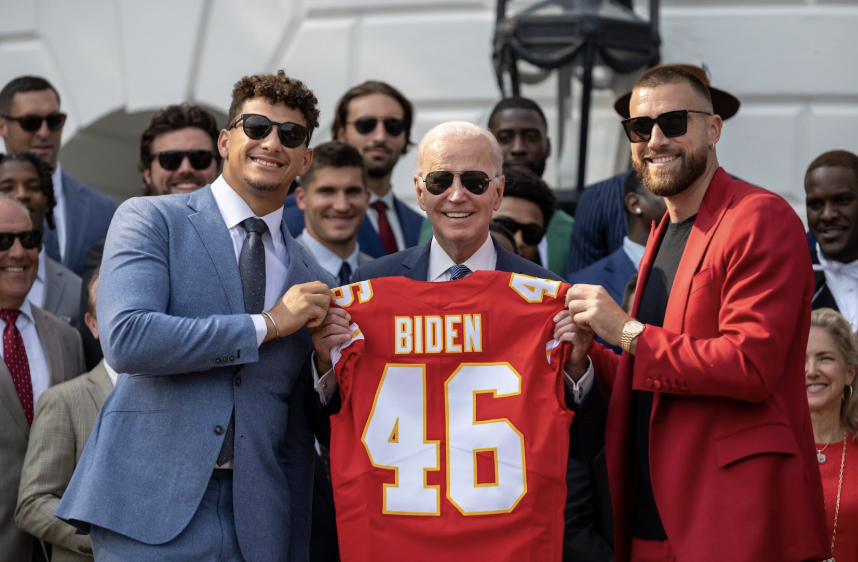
842, 281
111, 374
60, 209
392, 217
36, 295
634, 251
234, 210
484, 259
39, 374
329, 261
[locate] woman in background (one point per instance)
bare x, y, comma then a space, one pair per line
831, 364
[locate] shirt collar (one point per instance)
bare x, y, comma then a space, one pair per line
57, 178
234, 210
26, 310
484, 259
387, 198
633, 250
329, 261
111, 374
831, 266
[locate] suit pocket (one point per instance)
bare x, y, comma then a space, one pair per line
701, 279
762, 439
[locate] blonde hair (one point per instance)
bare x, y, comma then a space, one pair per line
459, 130
840, 331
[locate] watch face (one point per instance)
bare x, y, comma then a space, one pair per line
634, 327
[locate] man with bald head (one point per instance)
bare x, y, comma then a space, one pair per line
709, 450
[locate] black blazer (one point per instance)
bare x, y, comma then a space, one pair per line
822, 297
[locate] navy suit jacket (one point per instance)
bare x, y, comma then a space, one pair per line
87, 217
171, 311
587, 432
600, 222
368, 238
612, 273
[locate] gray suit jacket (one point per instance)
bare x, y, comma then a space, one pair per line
61, 345
62, 292
87, 216
362, 258
62, 424
171, 312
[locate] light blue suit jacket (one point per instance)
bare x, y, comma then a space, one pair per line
171, 314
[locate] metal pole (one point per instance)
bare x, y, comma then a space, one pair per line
587, 88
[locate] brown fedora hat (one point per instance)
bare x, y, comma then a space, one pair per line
725, 104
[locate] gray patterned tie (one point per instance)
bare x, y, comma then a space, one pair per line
251, 269
459, 271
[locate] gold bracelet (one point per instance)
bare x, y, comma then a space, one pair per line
273, 323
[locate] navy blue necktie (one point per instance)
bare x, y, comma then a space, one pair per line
251, 269
459, 271
345, 274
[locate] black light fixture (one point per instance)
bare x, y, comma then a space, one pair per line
570, 34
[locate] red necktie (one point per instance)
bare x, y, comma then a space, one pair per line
15, 357
384, 230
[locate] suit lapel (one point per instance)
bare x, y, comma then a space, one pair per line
9, 399
53, 285
50, 345
298, 270
99, 384
416, 262
77, 217
712, 208
208, 223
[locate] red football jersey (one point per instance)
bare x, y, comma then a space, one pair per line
453, 436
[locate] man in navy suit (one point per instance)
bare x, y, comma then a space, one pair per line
203, 450
460, 218
30, 121
375, 118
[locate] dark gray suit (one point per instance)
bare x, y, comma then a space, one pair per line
62, 292
172, 315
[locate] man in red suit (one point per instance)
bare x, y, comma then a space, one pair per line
708, 442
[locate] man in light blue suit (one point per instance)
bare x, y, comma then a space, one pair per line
204, 451
30, 121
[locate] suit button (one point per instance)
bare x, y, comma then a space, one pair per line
218, 430
217, 360
674, 387
237, 381
648, 382
657, 385
232, 357
224, 359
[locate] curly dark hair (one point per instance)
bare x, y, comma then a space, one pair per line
341, 114
45, 181
521, 182
173, 118
276, 88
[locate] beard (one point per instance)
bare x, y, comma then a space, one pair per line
667, 183
260, 186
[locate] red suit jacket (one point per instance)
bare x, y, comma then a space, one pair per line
731, 451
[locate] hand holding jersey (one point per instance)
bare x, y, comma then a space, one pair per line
302, 305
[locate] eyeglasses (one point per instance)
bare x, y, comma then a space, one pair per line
474, 181
292, 135
366, 125
170, 160
672, 124
29, 239
32, 123
531, 233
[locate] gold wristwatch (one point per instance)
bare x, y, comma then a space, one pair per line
631, 330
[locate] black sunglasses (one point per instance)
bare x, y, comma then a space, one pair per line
474, 181
29, 239
292, 135
672, 124
366, 125
32, 123
170, 160
531, 233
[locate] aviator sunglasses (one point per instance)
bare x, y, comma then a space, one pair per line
29, 239
672, 124
32, 123
531, 233
257, 127
170, 160
474, 181
366, 125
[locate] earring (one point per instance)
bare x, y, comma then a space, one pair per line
637, 210
712, 146
845, 398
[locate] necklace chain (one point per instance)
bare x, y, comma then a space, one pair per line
839, 488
